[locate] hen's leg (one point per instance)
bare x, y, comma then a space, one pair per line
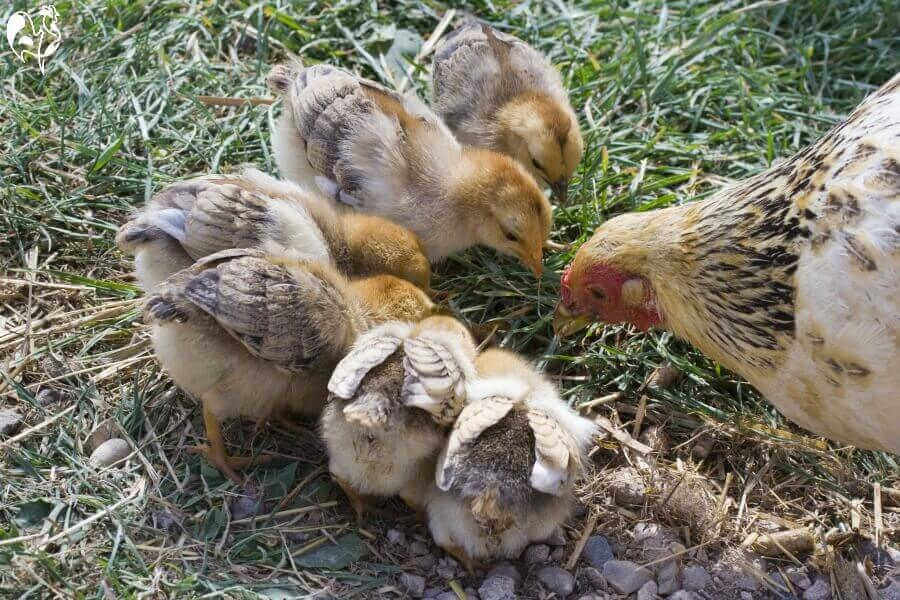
215, 452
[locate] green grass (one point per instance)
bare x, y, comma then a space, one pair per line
676, 99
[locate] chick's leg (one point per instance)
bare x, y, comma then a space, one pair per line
215, 452
356, 500
462, 557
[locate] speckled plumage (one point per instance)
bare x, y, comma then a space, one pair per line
789, 278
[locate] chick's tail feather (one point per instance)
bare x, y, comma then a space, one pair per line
490, 511
150, 227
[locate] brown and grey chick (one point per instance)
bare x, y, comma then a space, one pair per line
495, 91
256, 334
196, 218
505, 477
388, 154
393, 399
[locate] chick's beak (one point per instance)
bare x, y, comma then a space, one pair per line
560, 190
566, 323
534, 263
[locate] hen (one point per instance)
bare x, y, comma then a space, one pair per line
505, 477
195, 218
393, 398
789, 278
388, 154
495, 91
255, 334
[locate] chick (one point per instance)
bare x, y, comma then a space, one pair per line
393, 398
255, 334
195, 218
495, 91
505, 477
388, 154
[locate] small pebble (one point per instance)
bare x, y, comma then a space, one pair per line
891, 591
48, 396
414, 584
447, 568
667, 579
799, 579
702, 447
396, 537
425, 561
418, 548
625, 576
248, 504
506, 569
109, 452
497, 587
557, 555
434, 592
695, 578
820, 590
537, 554
10, 421
557, 580
684, 595
597, 551
648, 591
593, 577
446, 596
471, 594
746, 596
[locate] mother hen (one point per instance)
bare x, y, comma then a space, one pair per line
790, 278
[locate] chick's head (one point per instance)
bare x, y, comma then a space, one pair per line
610, 278
378, 245
509, 211
390, 298
543, 135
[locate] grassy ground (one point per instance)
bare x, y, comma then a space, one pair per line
676, 99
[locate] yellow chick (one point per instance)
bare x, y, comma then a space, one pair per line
255, 334
388, 154
495, 91
505, 477
195, 218
393, 399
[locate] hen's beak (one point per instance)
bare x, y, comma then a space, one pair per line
560, 190
566, 323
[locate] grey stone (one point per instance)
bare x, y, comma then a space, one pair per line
799, 579
49, 396
644, 531
10, 421
248, 504
557, 580
536, 554
695, 578
425, 561
109, 452
447, 568
557, 538
745, 595
471, 594
418, 548
506, 569
667, 578
414, 584
748, 583
648, 591
684, 595
594, 597
396, 537
558, 554
434, 592
625, 576
592, 577
497, 587
597, 551
447, 596
820, 590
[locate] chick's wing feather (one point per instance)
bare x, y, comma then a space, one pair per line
435, 376
470, 424
370, 350
556, 454
293, 318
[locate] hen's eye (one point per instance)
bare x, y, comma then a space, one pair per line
511, 237
599, 295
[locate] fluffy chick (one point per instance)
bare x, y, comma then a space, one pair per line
393, 398
252, 334
788, 278
495, 91
388, 154
505, 477
196, 218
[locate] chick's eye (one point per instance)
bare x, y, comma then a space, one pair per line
536, 164
511, 237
